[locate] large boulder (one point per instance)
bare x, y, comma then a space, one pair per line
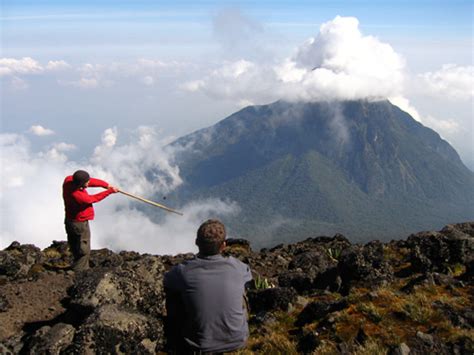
312, 262
298, 280
437, 251
50, 340
364, 265
316, 311
17, 260
122, 307
112, 329
271, 299
137, 285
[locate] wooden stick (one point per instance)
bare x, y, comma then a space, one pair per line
150, 202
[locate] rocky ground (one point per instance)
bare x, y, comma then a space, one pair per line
323, 295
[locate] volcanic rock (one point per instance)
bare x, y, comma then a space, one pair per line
318, 310
364, 264
270, 299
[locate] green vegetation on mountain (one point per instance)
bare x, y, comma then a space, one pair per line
366, 169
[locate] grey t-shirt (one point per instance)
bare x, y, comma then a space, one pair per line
212, 291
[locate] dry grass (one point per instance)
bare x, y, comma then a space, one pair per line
326, 348
271, 343
371, 347
369, 310
274, 337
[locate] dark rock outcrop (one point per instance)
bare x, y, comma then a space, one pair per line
50, 340
436, 251
17, 260
279, 298
316, 311
365, 265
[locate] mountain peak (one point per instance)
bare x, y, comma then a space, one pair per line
329, 165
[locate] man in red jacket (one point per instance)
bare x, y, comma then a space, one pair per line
79, 211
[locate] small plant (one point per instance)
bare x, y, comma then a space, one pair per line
370, 311
334, 253
456, 269
261, 283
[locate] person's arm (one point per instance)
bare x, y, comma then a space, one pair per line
93, 182
84, 198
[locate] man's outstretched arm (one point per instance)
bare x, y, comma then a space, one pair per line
84, 198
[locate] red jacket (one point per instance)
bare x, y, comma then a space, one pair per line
78, 203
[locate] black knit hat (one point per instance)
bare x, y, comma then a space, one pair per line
80, 177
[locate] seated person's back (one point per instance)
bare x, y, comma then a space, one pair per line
206, 295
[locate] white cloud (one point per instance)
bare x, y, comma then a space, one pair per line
339, 63
131, 229
39, 130
57, 152
120, 223
451, 81
144, 154
193, 85
26, 65
64, 147
404, 104
86, 83
238, 81
57, 65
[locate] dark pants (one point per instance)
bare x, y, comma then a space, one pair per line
79, 240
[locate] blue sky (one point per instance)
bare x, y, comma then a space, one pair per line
426, 34
99, 84
38, 25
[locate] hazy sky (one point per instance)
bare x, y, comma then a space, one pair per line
78, 76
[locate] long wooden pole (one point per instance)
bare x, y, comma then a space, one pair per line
150, 202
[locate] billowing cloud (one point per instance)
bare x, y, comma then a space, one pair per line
404, 104
30, 185
132, 229
26, 65
451, 81
145, 154
57, 152
39, 130
242, 81
339, 63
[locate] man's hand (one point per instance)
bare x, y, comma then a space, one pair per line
113, 188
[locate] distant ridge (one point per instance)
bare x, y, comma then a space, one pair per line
363, 168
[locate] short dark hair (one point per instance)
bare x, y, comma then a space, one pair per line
210, 237
80, 178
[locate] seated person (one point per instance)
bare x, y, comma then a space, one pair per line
205, 297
